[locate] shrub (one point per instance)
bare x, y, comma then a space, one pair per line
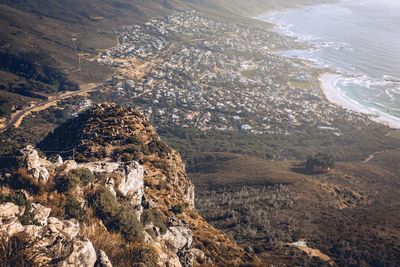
156, 217
27, 218
116, 218
67, 183
129, 226
84, 175
145, 204
104, 203
132, 140
73, 209
101, 153
17, 198
177, 209
147, 217
159, 220
145, 255
125, 157
258, 249
159, 147
161, 164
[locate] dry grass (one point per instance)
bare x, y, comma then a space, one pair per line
229, 169
120, 252
53, 200
13, 252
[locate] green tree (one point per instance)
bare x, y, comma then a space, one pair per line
320, 163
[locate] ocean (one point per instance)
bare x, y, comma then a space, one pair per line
360, 41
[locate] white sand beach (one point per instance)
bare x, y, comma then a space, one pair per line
328, 85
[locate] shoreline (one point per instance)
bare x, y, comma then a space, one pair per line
327, 82
328, 87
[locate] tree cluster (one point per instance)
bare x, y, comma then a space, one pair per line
320, 163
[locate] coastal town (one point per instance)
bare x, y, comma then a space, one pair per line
193, 71
190, 70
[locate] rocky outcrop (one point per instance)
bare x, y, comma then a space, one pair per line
180, 239
55, 240
35, 165
130, 182
40, 213
9, 223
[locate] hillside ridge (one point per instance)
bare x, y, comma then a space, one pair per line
142, 204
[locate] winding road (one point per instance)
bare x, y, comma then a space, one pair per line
20, 115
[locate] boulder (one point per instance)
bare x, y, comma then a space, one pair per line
178, 237
54, 241
9, 223
69, 228
69, 165
188, 195
102, 259
40, 213
83, 254
35, 165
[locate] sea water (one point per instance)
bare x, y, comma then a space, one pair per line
360, 39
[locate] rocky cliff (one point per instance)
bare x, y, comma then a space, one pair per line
110, 193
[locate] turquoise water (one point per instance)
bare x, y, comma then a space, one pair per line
359, 39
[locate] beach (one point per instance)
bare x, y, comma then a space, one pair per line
358, 45
332, 93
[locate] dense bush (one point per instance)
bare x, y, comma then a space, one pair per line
73, 209
320, 163
156, 217
161, 164
67, 183
17, 198
129, 225
84, 175
159, 147
70, 181
116, 217
27, 218
105, 204
247, 212
177, 209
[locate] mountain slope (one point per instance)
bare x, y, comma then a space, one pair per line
132, 199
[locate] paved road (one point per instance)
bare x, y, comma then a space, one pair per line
26, 111
12, 122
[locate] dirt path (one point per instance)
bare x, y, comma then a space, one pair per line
312, 252
372, 156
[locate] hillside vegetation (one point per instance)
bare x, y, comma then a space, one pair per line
349, 214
